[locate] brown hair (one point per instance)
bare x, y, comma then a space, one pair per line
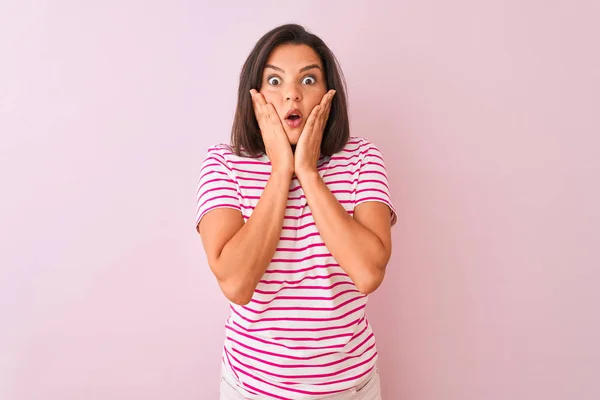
245, 133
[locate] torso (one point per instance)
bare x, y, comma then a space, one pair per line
305, 332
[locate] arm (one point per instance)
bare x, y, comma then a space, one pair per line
361, 245
238, 253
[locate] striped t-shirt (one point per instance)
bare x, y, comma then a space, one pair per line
304, 335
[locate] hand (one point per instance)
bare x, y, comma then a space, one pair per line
308, 149
277, 144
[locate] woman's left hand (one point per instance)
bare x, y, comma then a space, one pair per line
308, 149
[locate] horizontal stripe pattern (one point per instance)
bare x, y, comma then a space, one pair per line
304, 334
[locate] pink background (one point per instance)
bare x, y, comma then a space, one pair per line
487, 114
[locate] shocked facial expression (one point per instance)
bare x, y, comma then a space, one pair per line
294, 82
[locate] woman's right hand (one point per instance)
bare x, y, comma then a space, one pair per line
277, 144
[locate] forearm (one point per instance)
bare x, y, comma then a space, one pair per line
246, 256
359, 251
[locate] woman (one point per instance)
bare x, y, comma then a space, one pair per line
295, 218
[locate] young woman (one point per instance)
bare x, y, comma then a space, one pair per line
295, 218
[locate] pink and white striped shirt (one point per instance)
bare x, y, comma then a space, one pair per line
304, 335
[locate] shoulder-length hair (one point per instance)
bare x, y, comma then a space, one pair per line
245, 133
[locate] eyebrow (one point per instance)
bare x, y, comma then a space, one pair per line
311, 66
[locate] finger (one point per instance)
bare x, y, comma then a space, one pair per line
324, 100
322, 122
330, 103
254, 95
331, 95
255, 105
260, 98
266, 112
272, 114
310, 123
262, 103
327, 97
330, 100
327, 107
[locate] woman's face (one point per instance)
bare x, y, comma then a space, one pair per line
294, 82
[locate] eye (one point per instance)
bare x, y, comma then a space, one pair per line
274, 81
309, 80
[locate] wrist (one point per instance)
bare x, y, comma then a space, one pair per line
282, 174
307, 174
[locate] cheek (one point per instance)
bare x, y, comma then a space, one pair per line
271, 99
269, 96
316, 97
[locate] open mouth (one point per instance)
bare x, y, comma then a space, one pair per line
293, 118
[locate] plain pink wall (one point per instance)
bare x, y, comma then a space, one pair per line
487, 114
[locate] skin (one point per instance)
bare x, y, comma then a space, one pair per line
239, 253
293, 78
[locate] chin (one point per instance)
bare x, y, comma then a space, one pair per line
294, 136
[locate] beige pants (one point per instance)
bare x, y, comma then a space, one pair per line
368, 390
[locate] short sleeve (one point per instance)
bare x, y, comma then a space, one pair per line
373, 182
217, 187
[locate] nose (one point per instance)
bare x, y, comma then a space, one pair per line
293, 93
